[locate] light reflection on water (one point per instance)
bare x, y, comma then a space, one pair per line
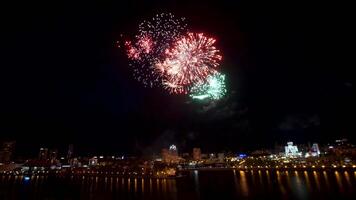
326, 179
243, 183
338, 181
316, 179
234, 184
306, 178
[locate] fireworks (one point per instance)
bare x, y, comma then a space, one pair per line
165, 54
213, 89
153, 38
191, 60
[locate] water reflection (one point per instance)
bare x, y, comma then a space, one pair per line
347, 177
297, 186
243, 183
268, 178
288, 179
326, 179
316, 179
260, 177
280, 184
339, 181
307, 181
236, 184
196, 183
143, 185
135, 185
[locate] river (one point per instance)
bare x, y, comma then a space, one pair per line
204, 184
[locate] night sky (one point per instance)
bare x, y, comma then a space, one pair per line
63, 79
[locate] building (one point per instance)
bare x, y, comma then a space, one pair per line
43, 154
53, 155
93, 161
6, 151
196, 154
70, 151
170, 155
221, 157
341, 142
74, 162
291, 150
165, 155
315, 150
173, 150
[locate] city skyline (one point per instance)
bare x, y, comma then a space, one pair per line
8, 151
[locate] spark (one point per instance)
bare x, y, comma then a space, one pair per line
163, 53
191, 59
213, 89
153, 38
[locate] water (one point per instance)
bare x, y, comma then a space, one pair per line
224, 184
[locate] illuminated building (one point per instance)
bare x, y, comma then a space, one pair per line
6, 151
43, 154
165, 155
196, 154
53, 155
212, 156
341, 142
93, 161
170, 155
75, 163
173, 150
291, 150
315, 150
221, 157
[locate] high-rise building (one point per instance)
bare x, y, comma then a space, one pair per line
43, 154
291, 150
196, 154
6, 151
70, 151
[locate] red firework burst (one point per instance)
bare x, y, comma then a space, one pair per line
191, 60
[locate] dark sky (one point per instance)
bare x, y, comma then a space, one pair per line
63, 80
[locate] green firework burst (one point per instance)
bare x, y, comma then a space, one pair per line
214, 88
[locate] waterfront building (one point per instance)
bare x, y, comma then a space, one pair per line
291, 150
